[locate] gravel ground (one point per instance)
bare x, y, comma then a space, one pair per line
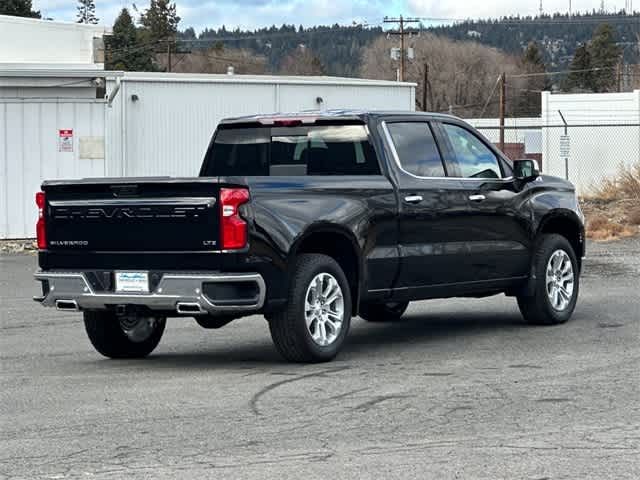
460, 389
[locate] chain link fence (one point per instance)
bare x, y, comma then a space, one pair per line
585, 154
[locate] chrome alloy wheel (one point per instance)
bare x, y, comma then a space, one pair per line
324, 309
560, 280
138, 329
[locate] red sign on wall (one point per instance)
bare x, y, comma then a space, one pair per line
65, 140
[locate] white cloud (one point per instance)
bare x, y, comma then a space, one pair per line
246, 14
250, 14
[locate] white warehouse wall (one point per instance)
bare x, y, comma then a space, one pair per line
166, 131
29, 153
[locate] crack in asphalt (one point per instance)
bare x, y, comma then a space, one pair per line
253, 403
348, 394
363, 407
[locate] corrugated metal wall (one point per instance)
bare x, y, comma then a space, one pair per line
169, 124
168, 128
29, 153
164, 131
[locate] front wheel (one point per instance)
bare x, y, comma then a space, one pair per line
128, 336
314, 324
557, 280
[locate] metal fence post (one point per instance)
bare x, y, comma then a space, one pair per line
566, 158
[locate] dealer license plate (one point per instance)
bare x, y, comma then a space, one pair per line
132, 282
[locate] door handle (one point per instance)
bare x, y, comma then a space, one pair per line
413, 198
477, 198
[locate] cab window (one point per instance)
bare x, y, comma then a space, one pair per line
292, 151
416, 148
471, 156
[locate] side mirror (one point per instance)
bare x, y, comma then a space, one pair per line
526, 170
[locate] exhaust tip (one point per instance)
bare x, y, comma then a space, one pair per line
67, 305
185, 308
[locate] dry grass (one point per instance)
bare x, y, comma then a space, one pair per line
634, 215
624, 186
602, 228
18, 246
612, 208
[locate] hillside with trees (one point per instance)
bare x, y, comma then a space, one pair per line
558, 34
558, 37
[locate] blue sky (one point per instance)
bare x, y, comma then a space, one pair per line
250, 14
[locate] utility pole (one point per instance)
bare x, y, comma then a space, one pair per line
503, 103
169, 55
425, 88
401, 21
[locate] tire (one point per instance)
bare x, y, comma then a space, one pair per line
108, 336
539, 308
383, 312
294, 339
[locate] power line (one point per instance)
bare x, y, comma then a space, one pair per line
269, 36
493, 90
234, 38
561, 72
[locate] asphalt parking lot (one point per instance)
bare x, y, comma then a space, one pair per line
460, 389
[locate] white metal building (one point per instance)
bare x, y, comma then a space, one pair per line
51, 123
603, 134
161, 123
34, 43
53, 127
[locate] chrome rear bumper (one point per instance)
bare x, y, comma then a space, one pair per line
182, 293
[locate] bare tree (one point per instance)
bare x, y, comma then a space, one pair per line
302, 61
215, 60
462, 75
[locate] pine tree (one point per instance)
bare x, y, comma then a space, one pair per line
18, 8
605, 55
87, 12
581, 75
533, 65
125, 48
161, 20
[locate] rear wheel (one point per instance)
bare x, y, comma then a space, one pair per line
314, 324
383, 312
127, 336
556, 283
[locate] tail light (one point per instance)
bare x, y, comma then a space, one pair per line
41, 231
233, 228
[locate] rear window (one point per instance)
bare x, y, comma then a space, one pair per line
291, 151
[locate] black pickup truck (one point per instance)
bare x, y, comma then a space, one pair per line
310, 219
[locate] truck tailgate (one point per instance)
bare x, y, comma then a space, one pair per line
133, 214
